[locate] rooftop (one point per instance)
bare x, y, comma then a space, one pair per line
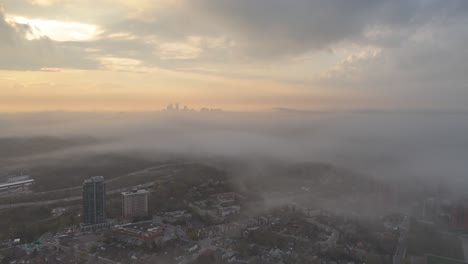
95, 179
134, 192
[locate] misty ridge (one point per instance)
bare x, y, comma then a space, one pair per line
427, 147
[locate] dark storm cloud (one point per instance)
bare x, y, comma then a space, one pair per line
275, 28
421, 66
271, 28
261, 29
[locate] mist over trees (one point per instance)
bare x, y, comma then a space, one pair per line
428, 147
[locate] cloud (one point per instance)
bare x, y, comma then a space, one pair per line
421, 66
272, 28
403, 52
275, 28
44, 2
262, 29
57, 30
275, 31
20, 53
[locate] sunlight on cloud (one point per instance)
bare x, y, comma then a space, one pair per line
353, 63
145, 8
190, 48
122, 36
44, 2
57, 30
178, 51
120, 64
46, 69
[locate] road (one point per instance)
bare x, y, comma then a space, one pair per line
83, 255
400, 252
76, 198
115, 178
69, 199
332, 239
464, 240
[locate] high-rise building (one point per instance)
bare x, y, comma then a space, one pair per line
135, 204
459, 217
94, 201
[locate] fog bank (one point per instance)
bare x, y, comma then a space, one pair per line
432, 147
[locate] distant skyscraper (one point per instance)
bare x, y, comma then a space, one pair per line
135, 204
94, 201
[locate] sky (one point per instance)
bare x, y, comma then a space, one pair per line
239, 55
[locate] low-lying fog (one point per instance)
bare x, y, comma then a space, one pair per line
432, 147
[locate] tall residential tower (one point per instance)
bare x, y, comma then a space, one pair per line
94, 201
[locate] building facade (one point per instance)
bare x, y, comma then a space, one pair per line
94, 201
459, 217
135, 204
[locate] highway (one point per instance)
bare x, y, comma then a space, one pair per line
76, 198
332, 239
146, 170
400, 252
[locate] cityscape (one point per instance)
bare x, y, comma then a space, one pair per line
233, 132
169, 217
